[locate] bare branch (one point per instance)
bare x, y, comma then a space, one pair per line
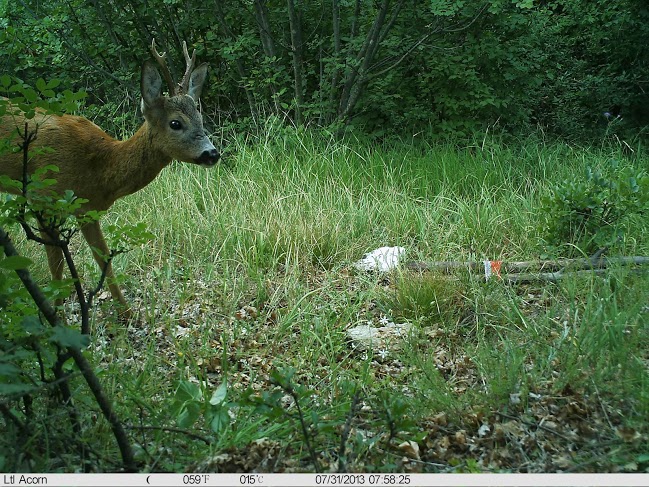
398, 61
171, 429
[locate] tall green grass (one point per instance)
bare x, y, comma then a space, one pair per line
276, 229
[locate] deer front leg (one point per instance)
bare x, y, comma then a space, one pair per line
55, 261
95, 238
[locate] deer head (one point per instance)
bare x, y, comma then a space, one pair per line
175, 120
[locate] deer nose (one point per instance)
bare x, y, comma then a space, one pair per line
208, 157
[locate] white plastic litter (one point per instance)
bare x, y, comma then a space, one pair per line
383, 259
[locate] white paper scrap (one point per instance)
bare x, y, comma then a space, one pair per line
383, 259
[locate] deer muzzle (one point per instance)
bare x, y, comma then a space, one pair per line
208, 158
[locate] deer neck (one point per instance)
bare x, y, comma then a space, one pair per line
136, 162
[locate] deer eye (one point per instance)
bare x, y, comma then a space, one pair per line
175, 125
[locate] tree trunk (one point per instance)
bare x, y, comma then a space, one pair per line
335, 75
354, 77
241, 68
296, 45
268, 43
261, 15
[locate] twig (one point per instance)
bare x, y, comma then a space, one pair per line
170, 429
535, 425
12, 397
84, 366
6, 412
342, 467
444, 466
52, 230
511, 271
601, 405
555, 276
287, 387
305, 430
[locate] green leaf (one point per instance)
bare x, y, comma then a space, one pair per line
68, 337
32, 325
315, 418
53, 83
30, 95
41, 85
15, 262
9, 370
219, 394
188, 415
188, 391
59, 289
11, 389
220, 420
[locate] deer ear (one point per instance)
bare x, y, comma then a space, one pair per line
196, 81
151, 83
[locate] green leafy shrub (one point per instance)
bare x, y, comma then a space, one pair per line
190, 403
38, 342
592, 213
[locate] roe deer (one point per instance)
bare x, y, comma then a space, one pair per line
101, 169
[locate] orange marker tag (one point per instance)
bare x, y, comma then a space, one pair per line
492, 267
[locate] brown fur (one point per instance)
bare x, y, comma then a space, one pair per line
114, 168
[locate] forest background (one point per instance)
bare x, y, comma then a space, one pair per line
382, 68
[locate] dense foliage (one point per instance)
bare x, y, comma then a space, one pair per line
592, 212
382, 67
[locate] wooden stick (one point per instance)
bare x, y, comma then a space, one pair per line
553, 276
449, 267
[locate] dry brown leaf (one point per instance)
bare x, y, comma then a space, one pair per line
410, 449
628, 434
460, 437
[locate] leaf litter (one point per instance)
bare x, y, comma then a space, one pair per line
536, 430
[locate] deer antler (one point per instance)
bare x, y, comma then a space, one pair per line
161, 59
184, 84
